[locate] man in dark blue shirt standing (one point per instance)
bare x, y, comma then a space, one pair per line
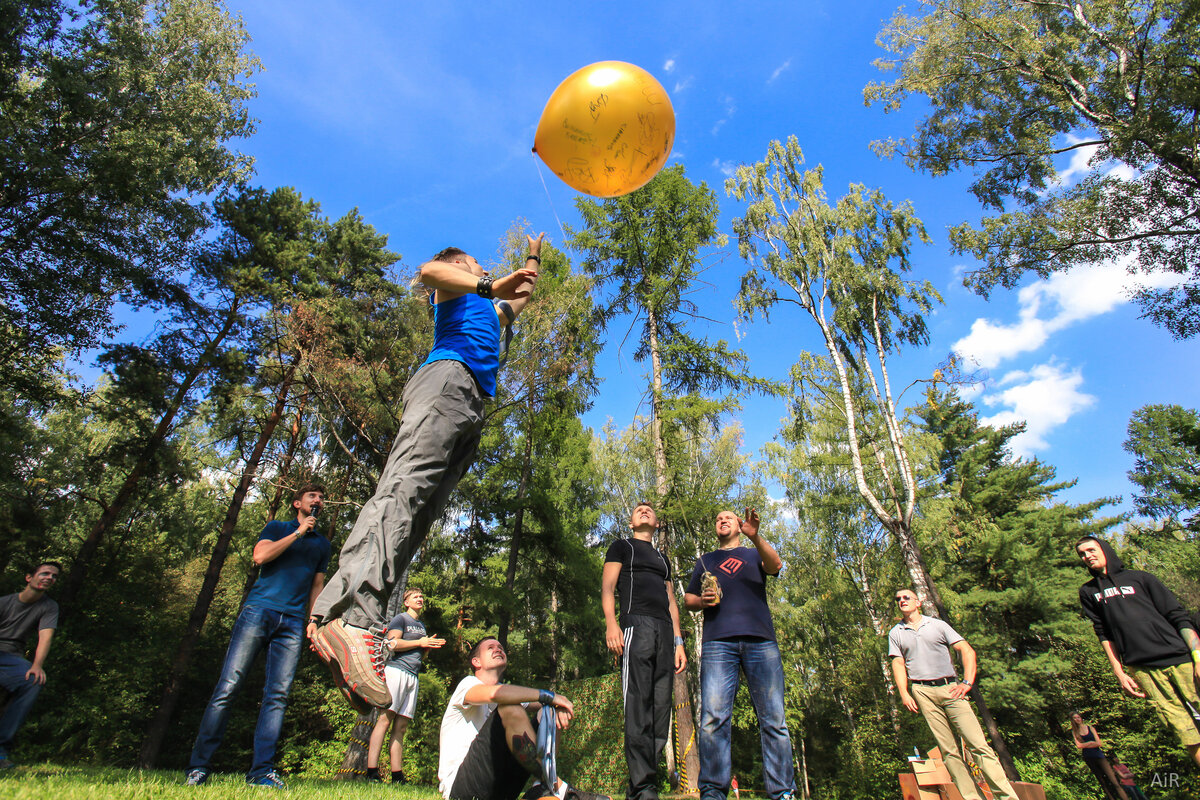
293, 557
729, 585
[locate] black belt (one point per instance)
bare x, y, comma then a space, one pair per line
935, 681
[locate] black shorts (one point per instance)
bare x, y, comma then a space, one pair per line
489, 771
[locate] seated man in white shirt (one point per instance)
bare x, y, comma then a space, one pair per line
490, 756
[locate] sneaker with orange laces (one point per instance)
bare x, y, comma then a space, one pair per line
359, 654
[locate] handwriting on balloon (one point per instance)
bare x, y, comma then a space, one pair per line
594, 107
580, 169
576, 134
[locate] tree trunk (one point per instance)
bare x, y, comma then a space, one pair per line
156, 732
683, 757
116, 507
354, 763
514, 546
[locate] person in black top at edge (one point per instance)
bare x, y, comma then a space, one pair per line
648, 641
1152, 646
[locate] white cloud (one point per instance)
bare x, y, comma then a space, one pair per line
730, 110
683, 84
669, 66
1051, 305
727, 168
1044, 398
779, 70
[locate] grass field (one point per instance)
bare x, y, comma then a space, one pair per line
54, 782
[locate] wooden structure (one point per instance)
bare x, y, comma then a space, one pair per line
930, 780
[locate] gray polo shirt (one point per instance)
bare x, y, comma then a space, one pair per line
925, 648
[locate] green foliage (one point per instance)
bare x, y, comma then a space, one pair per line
1165, 439
117, 114
1013, 88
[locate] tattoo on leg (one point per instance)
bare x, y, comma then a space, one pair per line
524, 750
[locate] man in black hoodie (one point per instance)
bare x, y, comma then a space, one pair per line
1151, 644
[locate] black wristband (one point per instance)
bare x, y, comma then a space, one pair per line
535, 258
484, 287
545, 697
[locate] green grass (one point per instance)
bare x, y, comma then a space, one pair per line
54, 782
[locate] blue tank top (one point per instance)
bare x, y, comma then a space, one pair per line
466, 329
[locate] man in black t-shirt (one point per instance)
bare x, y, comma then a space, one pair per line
638, 577
739, 636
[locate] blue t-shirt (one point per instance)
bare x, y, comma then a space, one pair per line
284, 583
407, 660
467, 329
743, 611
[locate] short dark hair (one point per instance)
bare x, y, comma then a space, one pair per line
448, 254
305, 489
410, 590
475, 650
1088, 538
58, 566
645, 503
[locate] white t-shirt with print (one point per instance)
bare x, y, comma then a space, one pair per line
460, 726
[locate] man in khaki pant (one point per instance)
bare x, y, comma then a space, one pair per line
919, 647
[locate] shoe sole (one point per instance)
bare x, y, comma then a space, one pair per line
339, 680
330, 639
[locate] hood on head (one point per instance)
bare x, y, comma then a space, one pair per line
1113, 565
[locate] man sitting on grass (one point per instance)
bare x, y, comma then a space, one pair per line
490, 756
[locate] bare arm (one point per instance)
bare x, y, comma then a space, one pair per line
36, 670
608, 604
1124, 679
673, 609
970, 661
517, 304
398, 643
900, 676
503, 694
266, 550
771, 561
1193, 642
317, 585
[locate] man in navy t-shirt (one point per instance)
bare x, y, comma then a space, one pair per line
293, 558
739, 635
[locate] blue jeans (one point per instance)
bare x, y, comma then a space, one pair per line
256, 628
719, 665
12, 677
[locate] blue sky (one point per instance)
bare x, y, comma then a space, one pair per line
422, 116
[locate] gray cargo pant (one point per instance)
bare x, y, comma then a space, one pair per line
439, 432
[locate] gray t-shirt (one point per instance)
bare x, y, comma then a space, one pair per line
407, 660
925, 648
19, 621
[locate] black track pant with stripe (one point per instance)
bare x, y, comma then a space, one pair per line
646, 671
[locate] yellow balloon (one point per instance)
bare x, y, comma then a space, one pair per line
607, 129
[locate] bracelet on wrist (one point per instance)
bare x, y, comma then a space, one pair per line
535, 258
679, 641
967, 684
546, 697
484, 287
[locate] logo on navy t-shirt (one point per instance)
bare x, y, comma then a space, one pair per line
731, 565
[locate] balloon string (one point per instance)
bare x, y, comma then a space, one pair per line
562, 229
